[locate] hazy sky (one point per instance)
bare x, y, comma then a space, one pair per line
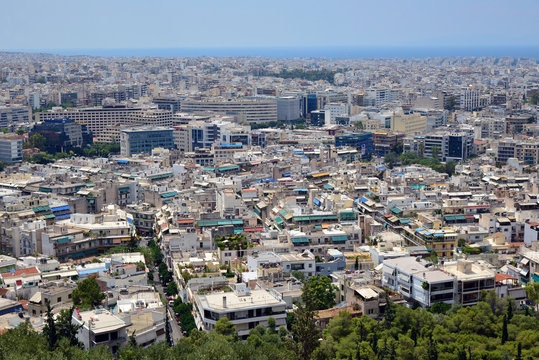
78, 24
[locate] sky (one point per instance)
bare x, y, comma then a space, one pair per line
113, 24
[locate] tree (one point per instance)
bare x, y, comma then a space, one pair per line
504, 330
50, 329
271, 325
66, 328
532, 290
509, 309
36, 141
88, 294
132, 243
319, 293
171, 289
224, 327
304, 331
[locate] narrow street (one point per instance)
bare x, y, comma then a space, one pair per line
176, 331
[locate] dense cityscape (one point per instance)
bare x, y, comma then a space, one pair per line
269, 207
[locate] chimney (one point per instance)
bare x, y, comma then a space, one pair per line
224, 301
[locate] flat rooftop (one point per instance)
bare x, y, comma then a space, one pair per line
476, 271
253, 299
102, 321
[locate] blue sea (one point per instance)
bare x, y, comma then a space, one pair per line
336, 52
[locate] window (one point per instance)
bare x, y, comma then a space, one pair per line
59, 299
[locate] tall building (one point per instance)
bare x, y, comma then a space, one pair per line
145, 139
362, 142
288, 108
333, 111
471, 100
62, 134
202, 134
105, 122
318, 118
10, 148
245, 110
409, 124
14, 116
449, 146
166, 103
308, 104
377, 97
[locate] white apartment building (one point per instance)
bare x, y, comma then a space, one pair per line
333, 111
245, 308
10, 148
100, 327
472, 278
414, 281
245, 110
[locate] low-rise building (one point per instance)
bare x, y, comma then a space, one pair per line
245, 308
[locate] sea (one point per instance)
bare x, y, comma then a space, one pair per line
332, 52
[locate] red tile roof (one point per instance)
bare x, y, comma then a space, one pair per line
502, 277
20, 272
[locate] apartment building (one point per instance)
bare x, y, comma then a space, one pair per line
245, 308
55, 293
10, 148
12, 117
245, 110
472, 278
100, 328
409, 124
416, 282
105, 122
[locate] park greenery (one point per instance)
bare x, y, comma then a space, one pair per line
310, 75
408, 158
233, 242
494, 329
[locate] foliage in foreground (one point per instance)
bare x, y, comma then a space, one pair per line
491, 330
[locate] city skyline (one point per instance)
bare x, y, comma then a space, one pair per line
240, 25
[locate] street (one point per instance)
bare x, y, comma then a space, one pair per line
176, 331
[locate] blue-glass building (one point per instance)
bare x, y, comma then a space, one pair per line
143, 140
363, 142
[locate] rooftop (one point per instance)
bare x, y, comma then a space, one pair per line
234, 301
100, 321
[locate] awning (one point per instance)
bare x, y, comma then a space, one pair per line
339, 238
300, 240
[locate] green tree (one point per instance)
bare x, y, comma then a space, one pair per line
132, 243
87, 294
319, 293
224, 327
171, 289
66, 328
50, 329
504, 330
532, 290
304, 330
271, 325
36, 141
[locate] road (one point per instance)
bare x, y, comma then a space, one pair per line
176, 331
